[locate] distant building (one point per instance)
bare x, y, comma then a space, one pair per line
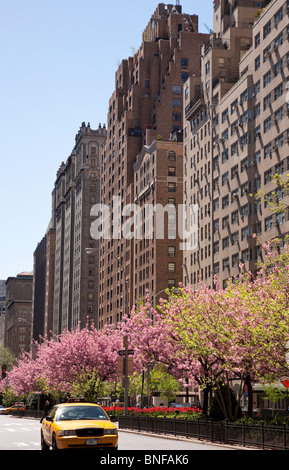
18, 317
2, 311
65, 275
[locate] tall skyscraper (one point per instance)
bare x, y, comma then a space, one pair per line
236, 137
147, 105
76, 272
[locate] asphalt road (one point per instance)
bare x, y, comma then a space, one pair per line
24, 434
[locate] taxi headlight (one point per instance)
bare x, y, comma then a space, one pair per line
66, 433
110, 432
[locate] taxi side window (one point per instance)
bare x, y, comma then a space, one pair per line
52, 412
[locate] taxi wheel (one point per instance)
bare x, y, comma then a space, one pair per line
44, 446
54, 443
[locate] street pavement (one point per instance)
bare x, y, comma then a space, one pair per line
24, 434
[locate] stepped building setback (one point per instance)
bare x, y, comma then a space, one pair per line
146, 106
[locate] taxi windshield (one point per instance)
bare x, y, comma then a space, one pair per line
71, 413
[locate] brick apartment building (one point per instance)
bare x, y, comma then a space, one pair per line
18, 313
2, 311
65, 290
76, 191
158, 180
147, 104
236, 131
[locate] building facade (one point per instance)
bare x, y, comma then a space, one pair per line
18, 317
158, 186
236, 138
147, 105
2, 311
75, 295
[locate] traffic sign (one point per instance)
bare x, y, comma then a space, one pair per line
130, 352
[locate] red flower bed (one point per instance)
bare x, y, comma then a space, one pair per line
153, 411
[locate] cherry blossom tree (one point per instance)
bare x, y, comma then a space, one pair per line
70, 359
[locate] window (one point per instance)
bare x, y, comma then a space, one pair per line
257, 110
278, 17
257, 40
267, 176
177, 89
278, 91
280, 218
216, 204
225, 243
234, 149
245, 210
172, 156
235, 238
267, 29
278, 67
172, 187
177, 116
171, 267
246, 95
234, 195
257, 157
234, 171
172, 171
184, 62
171, 283
235, 260
266, 53
226, 263
225, 222
267, 78
216, 225
225, 178
225, 155
184, 76
225, 201
246, 254
268, 223
224, 115
267, 101
245, 233
177, 102
257, 63
171, 251
267, 151
257, 88
267, 124
235, 217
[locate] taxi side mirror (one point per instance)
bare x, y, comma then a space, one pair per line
49, 418
112, 418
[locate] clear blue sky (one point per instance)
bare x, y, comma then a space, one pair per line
58, 64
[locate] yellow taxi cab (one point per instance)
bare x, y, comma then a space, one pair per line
16, 407
78, 426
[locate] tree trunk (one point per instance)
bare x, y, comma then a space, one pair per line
205, 405
250, 395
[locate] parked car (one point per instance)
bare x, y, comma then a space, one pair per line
16, 407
